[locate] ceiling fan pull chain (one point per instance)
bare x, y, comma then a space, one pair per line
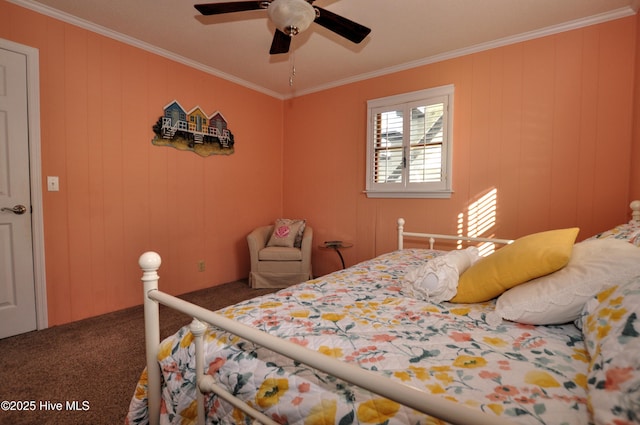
292, 74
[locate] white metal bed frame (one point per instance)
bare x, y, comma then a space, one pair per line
431, 405
433, 236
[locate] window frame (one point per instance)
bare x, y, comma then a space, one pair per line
406, 189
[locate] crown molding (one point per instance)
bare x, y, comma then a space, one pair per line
530, 35
90, 26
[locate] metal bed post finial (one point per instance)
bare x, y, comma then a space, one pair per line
150, 263
400, 232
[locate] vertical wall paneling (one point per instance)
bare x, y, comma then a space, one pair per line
565, 129
161, 208
96, 182
615, 91
537, 109
480, 147
533, 121
546, 123
77, 182
54, 123
120, 195
586, 147
510, 116
112, 167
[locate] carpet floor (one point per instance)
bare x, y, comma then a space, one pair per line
86, 372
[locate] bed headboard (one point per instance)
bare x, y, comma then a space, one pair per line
635, 216
433, 236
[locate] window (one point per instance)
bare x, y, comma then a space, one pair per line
409, 145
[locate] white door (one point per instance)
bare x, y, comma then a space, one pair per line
17, 284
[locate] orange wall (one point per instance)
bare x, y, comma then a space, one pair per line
548, 123
120, 195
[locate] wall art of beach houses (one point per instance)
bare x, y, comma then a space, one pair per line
193, 131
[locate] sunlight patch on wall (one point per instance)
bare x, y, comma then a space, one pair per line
481, 220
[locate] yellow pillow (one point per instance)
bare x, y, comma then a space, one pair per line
526, 258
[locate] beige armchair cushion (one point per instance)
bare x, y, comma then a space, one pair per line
276, 253
277, 266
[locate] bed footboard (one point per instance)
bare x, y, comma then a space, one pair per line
150, 262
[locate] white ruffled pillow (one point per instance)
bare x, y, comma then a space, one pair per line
437, 280
559, 297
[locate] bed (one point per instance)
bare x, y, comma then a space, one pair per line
371, 345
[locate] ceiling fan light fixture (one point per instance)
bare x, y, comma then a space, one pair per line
291, 16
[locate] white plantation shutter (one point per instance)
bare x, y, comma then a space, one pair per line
409, 144
388, 146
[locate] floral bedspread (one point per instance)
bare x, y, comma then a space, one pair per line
612, 336
531, 374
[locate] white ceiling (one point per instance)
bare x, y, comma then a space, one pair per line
405, 33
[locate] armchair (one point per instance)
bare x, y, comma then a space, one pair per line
278, 266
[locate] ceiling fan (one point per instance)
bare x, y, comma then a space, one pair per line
290, 18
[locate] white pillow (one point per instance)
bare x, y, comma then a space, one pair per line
559, 297
437, 279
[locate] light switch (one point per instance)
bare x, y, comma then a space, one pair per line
53, 184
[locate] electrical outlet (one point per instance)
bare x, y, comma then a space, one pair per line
201, 266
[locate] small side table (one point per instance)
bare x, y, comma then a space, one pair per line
336, 246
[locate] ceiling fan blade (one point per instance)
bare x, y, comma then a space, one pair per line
229, 7
280, 43
348, 29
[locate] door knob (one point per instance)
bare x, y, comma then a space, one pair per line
18, 209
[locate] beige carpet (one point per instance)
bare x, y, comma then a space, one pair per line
91, 365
